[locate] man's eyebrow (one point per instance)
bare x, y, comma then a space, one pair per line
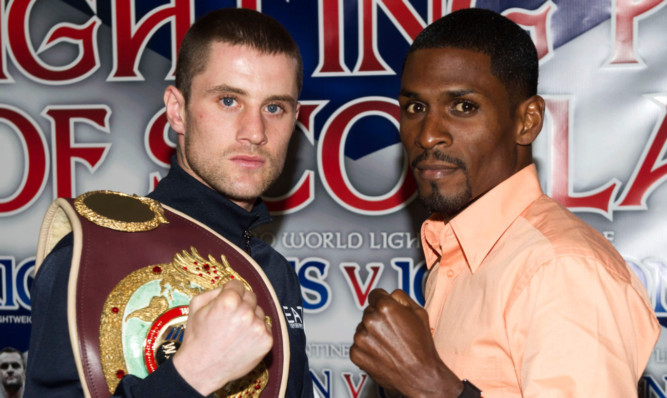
281, 98
458, 93
406, 93
224, 88
446, 93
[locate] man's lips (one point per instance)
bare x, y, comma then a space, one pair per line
434, 171
248, 161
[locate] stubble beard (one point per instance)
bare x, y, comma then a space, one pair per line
212, 172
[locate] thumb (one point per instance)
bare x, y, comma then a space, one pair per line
403, 298
202, 299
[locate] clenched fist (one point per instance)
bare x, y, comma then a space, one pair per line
226, 337
393, 344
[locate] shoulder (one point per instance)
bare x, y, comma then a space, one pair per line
553, 235
278, 270
550, 247
56, 262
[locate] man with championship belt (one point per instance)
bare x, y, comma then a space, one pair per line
171, 295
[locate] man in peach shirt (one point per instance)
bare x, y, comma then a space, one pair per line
523, 299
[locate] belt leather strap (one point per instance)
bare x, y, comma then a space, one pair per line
103, 256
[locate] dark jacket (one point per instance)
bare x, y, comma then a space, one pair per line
51, 370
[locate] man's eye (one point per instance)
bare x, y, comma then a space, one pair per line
465, 107
273, 108
415, 107
228, 101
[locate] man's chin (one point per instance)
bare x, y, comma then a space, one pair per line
448, 206
13, 382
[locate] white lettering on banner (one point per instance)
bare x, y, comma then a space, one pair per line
321, 240
659, 355
15, 319
328, 350
394, 240
346, 240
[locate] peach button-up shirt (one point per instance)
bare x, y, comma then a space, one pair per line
526, 300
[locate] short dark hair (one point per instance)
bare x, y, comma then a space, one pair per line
236, 26
12, 350
513, 55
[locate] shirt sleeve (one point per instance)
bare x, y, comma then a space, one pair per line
165, 382
579, 330
51, 369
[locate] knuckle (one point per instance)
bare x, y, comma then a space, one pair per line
384, 307
196, 300
229, 299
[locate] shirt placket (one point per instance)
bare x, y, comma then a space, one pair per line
441, 281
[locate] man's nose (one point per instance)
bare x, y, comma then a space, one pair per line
252, 128
433, 131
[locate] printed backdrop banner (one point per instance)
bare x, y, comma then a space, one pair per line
81, 109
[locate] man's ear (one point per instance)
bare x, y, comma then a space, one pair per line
174, 103
531, 114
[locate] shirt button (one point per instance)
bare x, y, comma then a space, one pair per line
450, 273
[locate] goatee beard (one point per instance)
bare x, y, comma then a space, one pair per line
448, 206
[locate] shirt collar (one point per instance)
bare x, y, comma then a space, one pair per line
483, 222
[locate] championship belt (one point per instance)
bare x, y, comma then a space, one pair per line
135, 267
